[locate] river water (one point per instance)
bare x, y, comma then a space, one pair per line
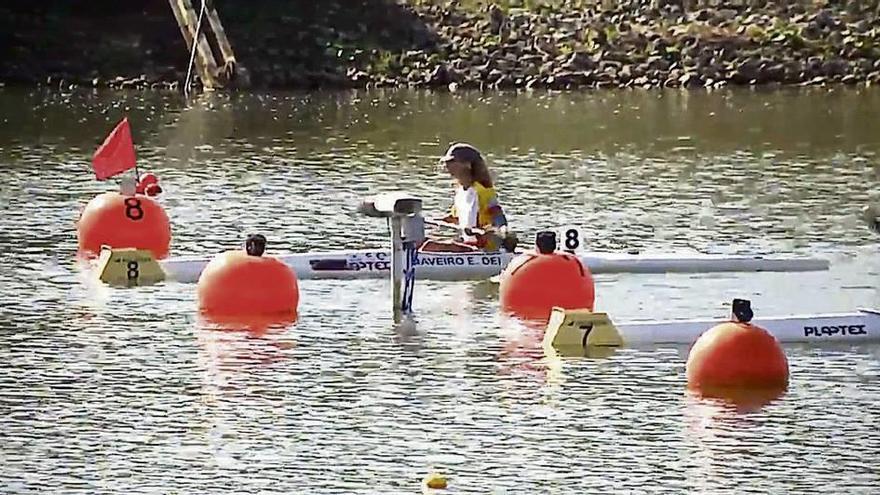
107, 390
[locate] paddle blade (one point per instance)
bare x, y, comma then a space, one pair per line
116, 154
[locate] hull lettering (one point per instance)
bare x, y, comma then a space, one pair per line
829, 330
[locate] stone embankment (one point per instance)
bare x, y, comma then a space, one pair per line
457, 44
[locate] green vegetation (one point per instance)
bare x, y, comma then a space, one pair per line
466, 43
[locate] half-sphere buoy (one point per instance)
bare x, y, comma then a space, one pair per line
237, 285
120, 221
737, 356
533, 283
435, 481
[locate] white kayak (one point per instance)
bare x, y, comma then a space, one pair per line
375, 263
580, 332
862, 325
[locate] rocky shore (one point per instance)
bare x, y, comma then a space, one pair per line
459, 44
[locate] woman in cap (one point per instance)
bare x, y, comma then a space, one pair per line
475, 207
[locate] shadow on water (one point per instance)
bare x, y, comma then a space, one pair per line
683, 132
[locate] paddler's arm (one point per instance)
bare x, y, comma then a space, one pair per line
468, 218
452, 217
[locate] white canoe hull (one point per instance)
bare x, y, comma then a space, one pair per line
375, 263
860, 326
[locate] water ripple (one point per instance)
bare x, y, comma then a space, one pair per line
126, 391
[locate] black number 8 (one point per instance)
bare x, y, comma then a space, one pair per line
571, 240
133, 272
133, 209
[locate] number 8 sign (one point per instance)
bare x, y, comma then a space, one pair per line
569, 238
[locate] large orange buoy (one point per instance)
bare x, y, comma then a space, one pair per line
737, 355
121, 221
237, 285
533, 283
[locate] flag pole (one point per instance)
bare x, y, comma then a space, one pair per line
137, 174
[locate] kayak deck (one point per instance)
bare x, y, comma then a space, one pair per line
375, 263
862, 325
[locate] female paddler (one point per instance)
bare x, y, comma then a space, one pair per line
475, 208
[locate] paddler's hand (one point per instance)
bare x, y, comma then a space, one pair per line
509, 241
479, 231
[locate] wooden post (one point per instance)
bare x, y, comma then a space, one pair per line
229, 62
213, 73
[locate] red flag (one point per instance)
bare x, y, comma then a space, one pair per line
116, 155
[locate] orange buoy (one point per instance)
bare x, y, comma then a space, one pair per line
737, 355
533, 283
120, 221
237, 285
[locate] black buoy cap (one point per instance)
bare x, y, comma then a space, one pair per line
546, 242
742, 310
255, 245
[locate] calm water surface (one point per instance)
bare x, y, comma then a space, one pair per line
124, 391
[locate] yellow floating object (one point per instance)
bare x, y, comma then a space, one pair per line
436, 481
580, 332
128, 267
